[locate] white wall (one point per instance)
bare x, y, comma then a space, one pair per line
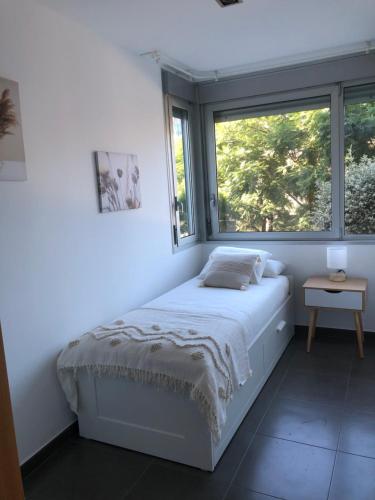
64, 267
305, 259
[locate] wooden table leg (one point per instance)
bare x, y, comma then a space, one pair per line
312, 327
361, 323
359, 334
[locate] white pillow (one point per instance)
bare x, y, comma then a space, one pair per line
230, 271
259, 266
273, 268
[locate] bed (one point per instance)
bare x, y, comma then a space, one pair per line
164, 420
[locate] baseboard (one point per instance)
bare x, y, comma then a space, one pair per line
47, 450
303, 329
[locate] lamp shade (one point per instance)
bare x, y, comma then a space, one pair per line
337, 258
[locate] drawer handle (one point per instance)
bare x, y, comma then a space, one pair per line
280, 327
333, 291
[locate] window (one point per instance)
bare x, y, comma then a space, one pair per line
182, 182
273, 169
359, 158
295, 165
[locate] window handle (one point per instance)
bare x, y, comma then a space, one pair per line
280, 327
213, 200
175, 235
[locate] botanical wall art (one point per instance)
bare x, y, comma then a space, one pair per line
118, 181
12, 154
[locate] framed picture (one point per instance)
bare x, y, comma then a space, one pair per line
118, 181
12, 154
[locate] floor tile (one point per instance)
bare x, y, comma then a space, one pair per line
286, 469
314, 386
300, 405
329, 342
259, 408
244, 494
265, 398
319, 360
161, 482
228, 463
233, 455
306, 422
358, 434
361, 394
86, 470
335, 349
299, 341
364, 368
336, 336
353, 478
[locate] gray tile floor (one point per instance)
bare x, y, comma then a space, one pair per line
309, 435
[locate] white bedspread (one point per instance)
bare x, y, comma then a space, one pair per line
191, 339
252, 307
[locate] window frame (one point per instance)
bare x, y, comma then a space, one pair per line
335, 93
344, 235
179, 242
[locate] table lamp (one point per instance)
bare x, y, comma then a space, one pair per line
337, 258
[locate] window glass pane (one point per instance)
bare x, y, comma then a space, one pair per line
182, 174
274, 167
360, 159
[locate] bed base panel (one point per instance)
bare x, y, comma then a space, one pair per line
166, 424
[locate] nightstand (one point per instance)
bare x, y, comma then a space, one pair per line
349, 295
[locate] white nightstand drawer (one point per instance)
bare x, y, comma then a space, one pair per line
340, 299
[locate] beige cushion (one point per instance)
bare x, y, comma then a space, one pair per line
219, 251
230, 271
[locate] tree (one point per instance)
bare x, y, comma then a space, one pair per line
274, 171
360, 129
181, 184
359, 174
268, 167
359, 197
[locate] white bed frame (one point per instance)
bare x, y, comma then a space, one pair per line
167, 424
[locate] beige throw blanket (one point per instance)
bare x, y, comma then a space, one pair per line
203, 356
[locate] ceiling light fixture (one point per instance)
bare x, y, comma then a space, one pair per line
228, 3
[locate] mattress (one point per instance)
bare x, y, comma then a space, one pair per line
252, 307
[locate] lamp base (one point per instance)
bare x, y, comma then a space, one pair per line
339, 276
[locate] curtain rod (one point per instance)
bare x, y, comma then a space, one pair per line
192, 75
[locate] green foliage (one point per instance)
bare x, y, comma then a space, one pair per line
359, 174
360, 129
359, 197
274, 172
268, 168
181, 185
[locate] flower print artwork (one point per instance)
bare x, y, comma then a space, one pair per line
118, 181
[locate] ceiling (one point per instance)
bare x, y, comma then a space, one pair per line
201, 36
